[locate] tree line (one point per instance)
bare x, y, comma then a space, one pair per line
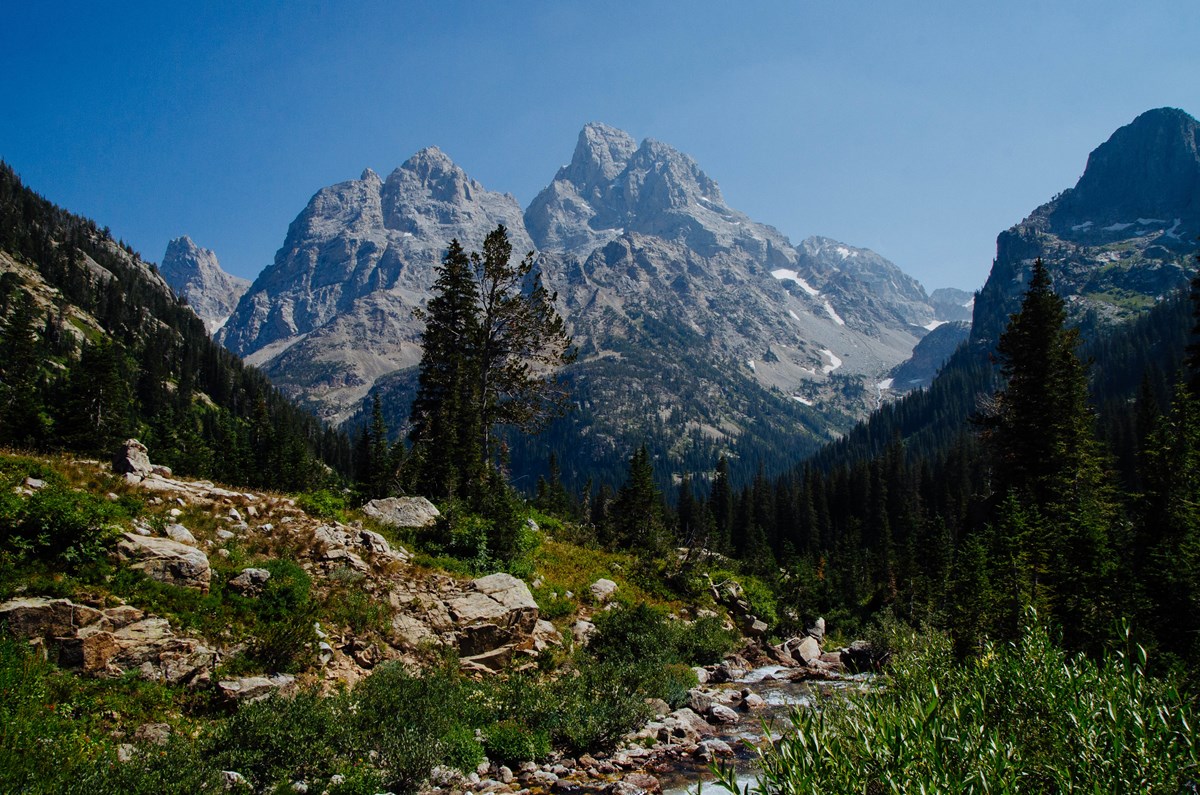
142, 365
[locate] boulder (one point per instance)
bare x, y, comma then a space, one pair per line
166, 560
402, 511
132, 458
498, 610
685, 724
177, 532
805, 650
817, 630
719, 713
256, 688
860, 656
39, 617
546, 635
582, 631
250, 582
602, 590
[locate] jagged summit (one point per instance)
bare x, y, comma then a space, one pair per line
194, 273
600, 155
612, 187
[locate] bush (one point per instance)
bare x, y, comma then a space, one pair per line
277, 740
705, 641
408, 721
324, 504
511, 743
596, 705
59, 525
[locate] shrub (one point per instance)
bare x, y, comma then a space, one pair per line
280, 739
407, 721
598, 703
324, 504
511, 743
59, 525
705, 641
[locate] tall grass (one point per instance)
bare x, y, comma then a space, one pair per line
1020, 718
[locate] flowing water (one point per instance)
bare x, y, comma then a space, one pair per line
755, 728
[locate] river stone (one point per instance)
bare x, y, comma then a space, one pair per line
166, 561
722, 714
807, 650
402, 511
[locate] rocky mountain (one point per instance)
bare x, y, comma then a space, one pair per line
952, 304
334, 312
1120, 240
696, 325
196, 275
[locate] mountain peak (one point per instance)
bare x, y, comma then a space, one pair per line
1150, 168
194, 273
601, 153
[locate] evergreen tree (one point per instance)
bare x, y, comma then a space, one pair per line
1041, 436
21, 418
637, 516
520, 341
445, 416
492, 340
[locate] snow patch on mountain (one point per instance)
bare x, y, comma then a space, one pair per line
829, 310
834, 362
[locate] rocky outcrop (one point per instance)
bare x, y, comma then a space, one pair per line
109, 641
166, 560
334, 312
494, 618
195, 274
132, 458
402, 511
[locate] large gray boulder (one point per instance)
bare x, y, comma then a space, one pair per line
402, 511
133, 458
496, 611
166, 560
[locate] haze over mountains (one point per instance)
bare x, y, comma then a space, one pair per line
661, 282
697, 326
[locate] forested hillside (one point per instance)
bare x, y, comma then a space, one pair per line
95, 348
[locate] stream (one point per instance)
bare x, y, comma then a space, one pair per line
688, 777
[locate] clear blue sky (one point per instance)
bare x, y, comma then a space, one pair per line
918, 129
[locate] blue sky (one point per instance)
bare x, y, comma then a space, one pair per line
917, 129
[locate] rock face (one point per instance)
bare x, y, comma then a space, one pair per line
334, 312
1122, 238
674, 298
195, 274
109, 641
166, 560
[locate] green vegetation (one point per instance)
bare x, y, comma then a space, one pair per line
1022, 717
